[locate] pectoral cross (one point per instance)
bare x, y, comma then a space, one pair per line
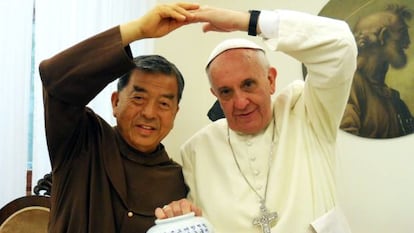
265, 218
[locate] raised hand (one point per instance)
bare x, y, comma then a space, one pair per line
222, 20
158, 22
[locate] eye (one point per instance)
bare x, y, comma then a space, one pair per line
225, 92
138, 99
249, 84
166, 104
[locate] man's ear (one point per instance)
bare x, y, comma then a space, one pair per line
271, 76
383, 35
114, 101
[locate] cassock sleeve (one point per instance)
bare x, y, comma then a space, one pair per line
71, 79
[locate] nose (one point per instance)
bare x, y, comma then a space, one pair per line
405, 42
240, 100
148, 111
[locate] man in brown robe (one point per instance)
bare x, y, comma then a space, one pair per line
374, 109
105, 178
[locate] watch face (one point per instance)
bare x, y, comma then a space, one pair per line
381, 102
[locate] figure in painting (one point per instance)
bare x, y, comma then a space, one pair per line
375, 110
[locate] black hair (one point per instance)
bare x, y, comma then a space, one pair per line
401, 11
154, 64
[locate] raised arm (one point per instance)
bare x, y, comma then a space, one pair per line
324, 45
73, 77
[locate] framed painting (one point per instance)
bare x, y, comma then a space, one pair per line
381, 101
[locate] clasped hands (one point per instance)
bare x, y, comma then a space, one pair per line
165, 18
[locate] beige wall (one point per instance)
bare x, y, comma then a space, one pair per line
376, 177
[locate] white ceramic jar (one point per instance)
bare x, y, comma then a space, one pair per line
187, 223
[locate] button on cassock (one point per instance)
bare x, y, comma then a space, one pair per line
130, 214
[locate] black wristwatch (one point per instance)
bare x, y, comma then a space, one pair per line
254, 18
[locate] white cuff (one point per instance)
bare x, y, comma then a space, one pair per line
332, 222
269, 24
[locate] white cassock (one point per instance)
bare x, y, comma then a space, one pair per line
306, 116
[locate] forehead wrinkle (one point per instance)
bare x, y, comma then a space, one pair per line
169, 96
139, 89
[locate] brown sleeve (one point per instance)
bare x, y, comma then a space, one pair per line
71, 79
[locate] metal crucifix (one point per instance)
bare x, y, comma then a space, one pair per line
265, 218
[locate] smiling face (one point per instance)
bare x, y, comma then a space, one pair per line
243, 82
145, 109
